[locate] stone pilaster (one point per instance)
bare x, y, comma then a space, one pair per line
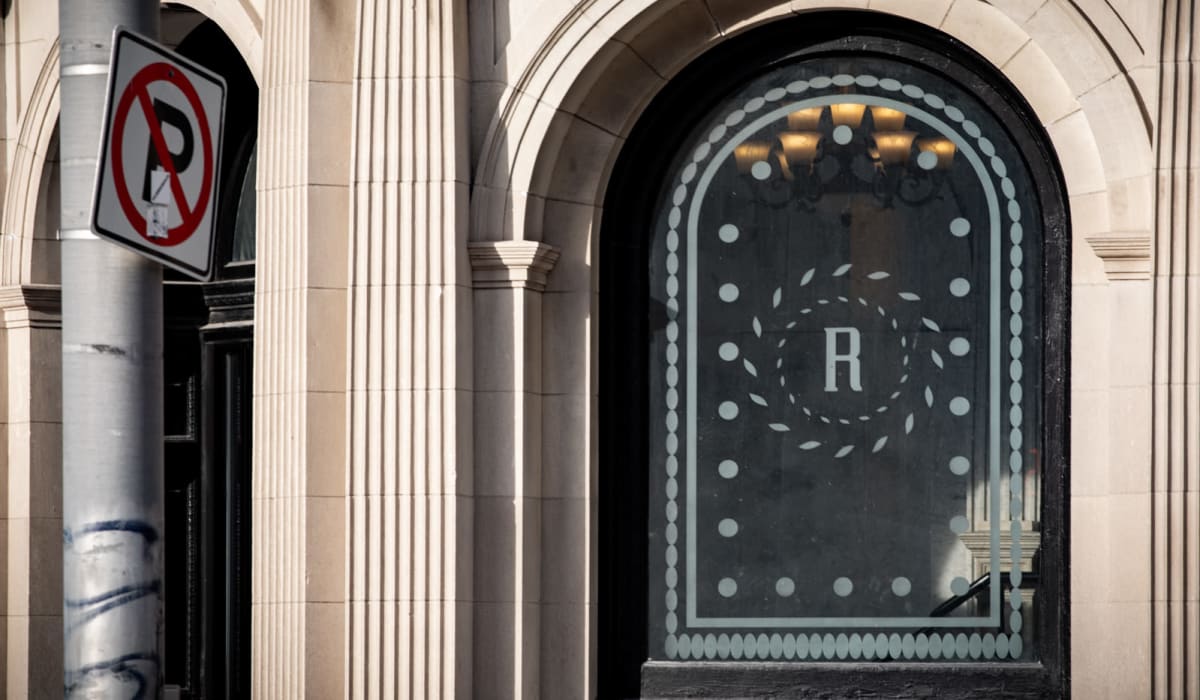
410, 469
31, 517
299, 566
509, 278
1176, 475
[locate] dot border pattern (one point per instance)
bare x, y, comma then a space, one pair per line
816, 646
838, 647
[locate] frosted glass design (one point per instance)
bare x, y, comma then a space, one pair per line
844, 373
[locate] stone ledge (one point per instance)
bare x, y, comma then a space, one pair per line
36, 305
1126, 256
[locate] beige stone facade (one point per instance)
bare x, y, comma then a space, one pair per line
431, 179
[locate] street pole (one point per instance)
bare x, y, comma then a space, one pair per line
111, 395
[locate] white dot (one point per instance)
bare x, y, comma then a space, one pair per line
901, 586
785, 586
843, 134
959, 465
927, 160
728, 233
843, 586
728, 352
959, 586
959, 524
959, 287
728, 292
959, 406
727, 587
760, 170
960, 227
728, 468
727, 527
728, 410
960, 347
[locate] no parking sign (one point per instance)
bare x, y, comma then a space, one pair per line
156, 187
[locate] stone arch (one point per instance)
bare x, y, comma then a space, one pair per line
556, 132
21, 200
545, 162
241, 23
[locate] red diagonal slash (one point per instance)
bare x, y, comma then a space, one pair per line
192, 213
164, 156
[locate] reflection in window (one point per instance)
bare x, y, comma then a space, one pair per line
244, 226
846, 378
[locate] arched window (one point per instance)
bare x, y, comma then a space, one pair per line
834, 292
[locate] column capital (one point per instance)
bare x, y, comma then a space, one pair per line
511, 264
36, 305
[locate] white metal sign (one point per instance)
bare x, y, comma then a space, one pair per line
157, 183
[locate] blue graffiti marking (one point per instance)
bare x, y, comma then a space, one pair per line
134, 667
108, 601
121, 667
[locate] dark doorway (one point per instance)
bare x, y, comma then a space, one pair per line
208, 373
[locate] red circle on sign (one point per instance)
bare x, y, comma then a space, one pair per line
136, 90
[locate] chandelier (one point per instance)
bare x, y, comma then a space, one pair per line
830, 148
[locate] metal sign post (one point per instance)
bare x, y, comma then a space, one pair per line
111, 396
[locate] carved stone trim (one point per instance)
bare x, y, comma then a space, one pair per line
35, 305
230, 303
511, 264
1126, 256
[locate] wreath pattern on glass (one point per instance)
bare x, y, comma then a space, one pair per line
679, 644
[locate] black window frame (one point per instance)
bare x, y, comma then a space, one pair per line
626, 315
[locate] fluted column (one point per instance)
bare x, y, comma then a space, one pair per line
300, 382
279, 361
1176, 479
410, 355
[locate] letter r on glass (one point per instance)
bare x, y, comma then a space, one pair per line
850, 357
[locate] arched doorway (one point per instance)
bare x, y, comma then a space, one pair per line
208, 353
